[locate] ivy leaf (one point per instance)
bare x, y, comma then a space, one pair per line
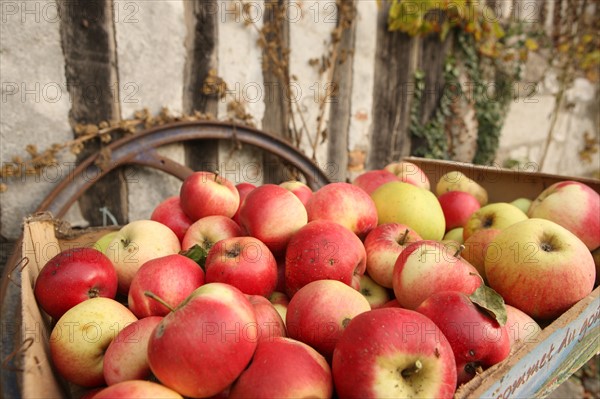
491, 302
197, 254
531, 44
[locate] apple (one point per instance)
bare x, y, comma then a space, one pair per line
372, 179
284, 368
208, 230
136, 243
458, 181
392, 303
345, 204
497, 215
320, 311
73, 276
243, 190
407, 358
408, 172
169, 213
201, 347
80, 337
299, 189
456, 235
137, 389
520, 326
522, 203
376, 295
205, 194
573, 205
272, 214
104, 241
245, 263
419, 209
323, 250
126, 357
458, 206
171, 277
280, 302
477, 339
540, 267
383, 245
426, 267
270, 323
476, 247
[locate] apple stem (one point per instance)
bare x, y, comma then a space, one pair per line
404, 237
216, 175
158, 299
414, 369
459, 250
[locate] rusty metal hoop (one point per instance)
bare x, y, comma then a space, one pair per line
140, 149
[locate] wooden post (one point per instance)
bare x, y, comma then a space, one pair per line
88, 42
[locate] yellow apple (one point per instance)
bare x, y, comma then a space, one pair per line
418, 208
458, 181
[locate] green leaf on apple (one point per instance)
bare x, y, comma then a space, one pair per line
491, 302
197, 254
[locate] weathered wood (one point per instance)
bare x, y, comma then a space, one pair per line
432, 59
396, 60
276, 119
88, 43
202, 18
340, 107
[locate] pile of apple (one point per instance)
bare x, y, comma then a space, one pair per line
379, 288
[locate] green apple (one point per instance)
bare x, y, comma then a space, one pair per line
522, 203
539, 267
418, 208
456, 234
498, 215
104, 241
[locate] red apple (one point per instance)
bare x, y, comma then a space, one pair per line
392, 304
272, 214
393, 353
126, 357
458, 206
243, 190
244, 262
137, 389
540, 267
345, 204
170, 214
383, 246
573, 205
204, 345
369, 181
426, 267
323, 250
497, 215
73, 276
477, 339
320, 311
270, 323
171, 277
299, 189
205, 194
207, 231
284, 368
520, 326
80, 337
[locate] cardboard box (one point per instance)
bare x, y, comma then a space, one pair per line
533, 370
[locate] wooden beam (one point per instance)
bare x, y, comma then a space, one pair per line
340, 108
88, 42
201, 17
276, 119
396, 60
